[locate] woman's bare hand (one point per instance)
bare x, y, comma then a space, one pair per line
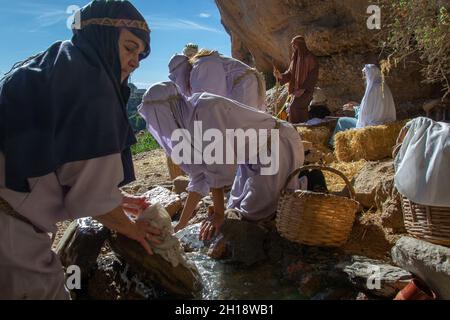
140, 231
143, 232
211, 226
134, 205
277, 73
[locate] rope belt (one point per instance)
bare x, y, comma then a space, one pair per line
9, 211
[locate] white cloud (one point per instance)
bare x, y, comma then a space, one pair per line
204, 15
178, 24
51, 17
42, 15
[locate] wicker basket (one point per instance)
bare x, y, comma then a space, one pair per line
427, 223
174, 170
316, 219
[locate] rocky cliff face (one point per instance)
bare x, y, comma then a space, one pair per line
336, 31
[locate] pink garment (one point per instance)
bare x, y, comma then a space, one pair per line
179, 73
255, 195
229, 78
28, 267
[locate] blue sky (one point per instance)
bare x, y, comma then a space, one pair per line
30, 26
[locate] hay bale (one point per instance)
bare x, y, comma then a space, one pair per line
371, 143
317, 136
349, 169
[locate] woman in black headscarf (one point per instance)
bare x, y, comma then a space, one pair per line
65, 145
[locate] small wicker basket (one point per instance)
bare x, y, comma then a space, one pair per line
316, 219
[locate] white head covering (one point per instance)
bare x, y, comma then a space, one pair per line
165, 110
319, 97
180, 72
190, 50
378, 105
423, 163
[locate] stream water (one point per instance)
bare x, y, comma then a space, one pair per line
223, 280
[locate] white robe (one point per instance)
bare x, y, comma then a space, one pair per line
423, 163
229, 78
255, 195
377, 106
179, 72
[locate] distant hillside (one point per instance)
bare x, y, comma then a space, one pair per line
136, 121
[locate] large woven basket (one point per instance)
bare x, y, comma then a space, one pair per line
427, 223
316, 219
174, 170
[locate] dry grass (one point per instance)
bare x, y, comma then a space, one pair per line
349, 169
371, 143
317, 136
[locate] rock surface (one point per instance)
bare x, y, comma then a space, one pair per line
179, 281
375, 180
245, 241
180, 184
169, 200
375, 277
81, 244
335, 31
429, 262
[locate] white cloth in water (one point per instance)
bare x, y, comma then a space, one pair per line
170, 248
423, 163
378, 105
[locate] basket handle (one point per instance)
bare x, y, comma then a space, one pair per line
316, 167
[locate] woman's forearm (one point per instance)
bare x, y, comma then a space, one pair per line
218, 200
118, 221
189, 208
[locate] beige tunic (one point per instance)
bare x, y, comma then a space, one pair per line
28, 267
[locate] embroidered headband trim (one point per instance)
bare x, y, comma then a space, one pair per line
124, 23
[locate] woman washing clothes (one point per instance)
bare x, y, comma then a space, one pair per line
65, 145
254, 195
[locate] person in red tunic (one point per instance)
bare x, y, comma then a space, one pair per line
302, 77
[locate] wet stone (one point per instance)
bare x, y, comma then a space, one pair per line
245, 241
81, 244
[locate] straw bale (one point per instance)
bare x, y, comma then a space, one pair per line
349, 169
370, 143
317, 136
